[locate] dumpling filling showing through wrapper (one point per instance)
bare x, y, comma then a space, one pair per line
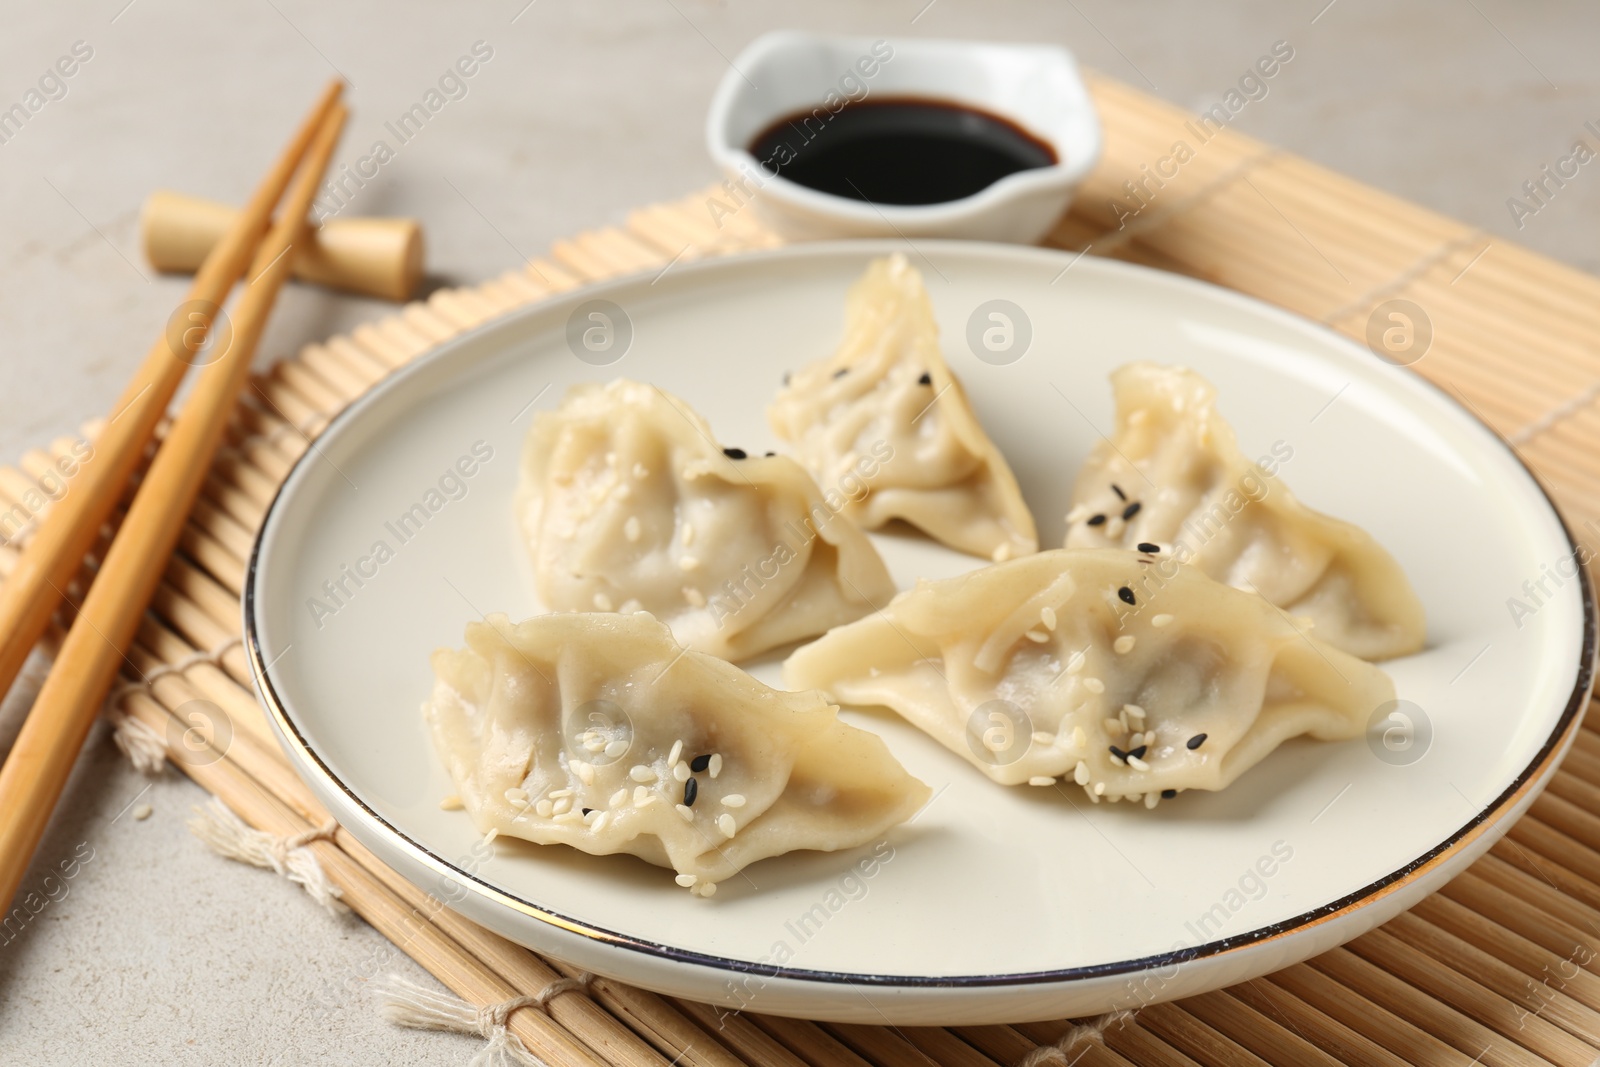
599, 732
1172, 474
627, 502
1129, 674
886, 411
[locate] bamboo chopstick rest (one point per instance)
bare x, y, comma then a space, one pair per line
373, 257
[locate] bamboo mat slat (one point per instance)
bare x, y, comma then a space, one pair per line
1501, 967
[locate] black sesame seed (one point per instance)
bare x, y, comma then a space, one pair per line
1131, 510
1117, 752
1196, 741
926, 379
841, 372
1146, 546
1127, 595
691, 789
770, 454
1137, 753
1097, 520
1117, 489
699, 763
735, 453
1168, 794
587, 810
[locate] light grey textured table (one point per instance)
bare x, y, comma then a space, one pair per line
160, 952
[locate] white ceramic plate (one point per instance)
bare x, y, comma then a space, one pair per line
993, 904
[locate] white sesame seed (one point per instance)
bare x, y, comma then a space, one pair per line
602, 602
1038, 637
630, 529
594, 744
143, 812
685, 811
544, 809
1048, 617
1079, 738
1002, 552
583, 770
1042, 738
600, 823
694, 597
489, 837
733, 800
1080, 773
1123, 644
1076, 662
592, 815
1041, 779
562, 806
706, 889
1115, 727
1118, 760
677, 751
640, 773
570, 817
619, 798
1134, 711
1160, 620
726, 824
1094, 685
716, 764
688, 534
640, 795
616, 749
1099, 789
1133, 798
1151, 800
686, 880
1138, 764
680, 771
517, 796
451, 803
559, 793
688, 563
1114, 527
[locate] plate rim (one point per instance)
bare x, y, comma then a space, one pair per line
307, 762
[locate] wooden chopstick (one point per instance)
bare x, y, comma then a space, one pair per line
37, 768
51, 557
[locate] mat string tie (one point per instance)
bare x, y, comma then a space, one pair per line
418, 1008
144, 747
289, 857
1059, 1053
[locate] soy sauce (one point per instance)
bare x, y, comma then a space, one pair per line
899, 150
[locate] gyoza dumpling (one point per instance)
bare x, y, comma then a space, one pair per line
627, 502
1128, 673
598, 731
885, 422
1172, 474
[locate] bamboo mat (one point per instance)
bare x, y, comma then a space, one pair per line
1501, 967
